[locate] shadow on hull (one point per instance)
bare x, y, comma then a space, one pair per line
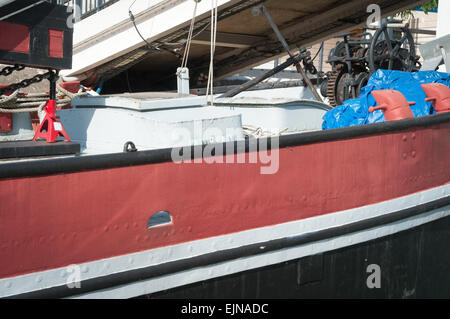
413, 264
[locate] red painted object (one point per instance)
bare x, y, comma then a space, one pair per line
55, 43
50, 127
35, 122
14, 37
439, 95
393, 103
7, 93
72, 86
6, 122
6, 119
106, 211
39, 37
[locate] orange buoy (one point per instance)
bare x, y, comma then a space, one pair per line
393, 103
439, 95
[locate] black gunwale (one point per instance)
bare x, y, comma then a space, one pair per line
74, 164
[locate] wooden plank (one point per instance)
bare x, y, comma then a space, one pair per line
225, 39
303, 33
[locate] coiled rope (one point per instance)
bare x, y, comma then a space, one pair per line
258, 132
34, 102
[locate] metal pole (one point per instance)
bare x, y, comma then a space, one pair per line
322, 49
52, 92
288, 49
261, 78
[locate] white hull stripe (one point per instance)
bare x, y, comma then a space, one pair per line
243, 264
170, 267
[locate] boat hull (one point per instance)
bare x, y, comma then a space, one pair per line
413, 264
331, 190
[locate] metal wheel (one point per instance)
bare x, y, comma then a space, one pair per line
338, 87
344, 90
361, 79
392, 53
324, 87
332, 89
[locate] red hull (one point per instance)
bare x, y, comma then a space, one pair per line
98, 214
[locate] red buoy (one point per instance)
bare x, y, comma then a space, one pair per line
439, 95
393, 103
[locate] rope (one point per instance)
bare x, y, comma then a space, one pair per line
189, 38
258, 132
35, 102
210, 86
9, 101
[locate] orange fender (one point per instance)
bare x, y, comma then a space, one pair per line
439, 95
393, 103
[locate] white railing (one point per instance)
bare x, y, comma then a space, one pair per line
85, 8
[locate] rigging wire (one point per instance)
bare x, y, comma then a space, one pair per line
182, 43
151, 47
210, 85
318, 51
189, 38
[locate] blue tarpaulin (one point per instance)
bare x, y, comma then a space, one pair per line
356, 111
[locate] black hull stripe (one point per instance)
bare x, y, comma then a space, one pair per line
135, 275
106, 161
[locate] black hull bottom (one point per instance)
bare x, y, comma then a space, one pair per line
413, 264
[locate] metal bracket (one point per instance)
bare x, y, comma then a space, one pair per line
291, 54
183, 80
51, 128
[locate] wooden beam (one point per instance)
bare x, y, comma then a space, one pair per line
314, 22
294, 32
232, 40
336, 14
